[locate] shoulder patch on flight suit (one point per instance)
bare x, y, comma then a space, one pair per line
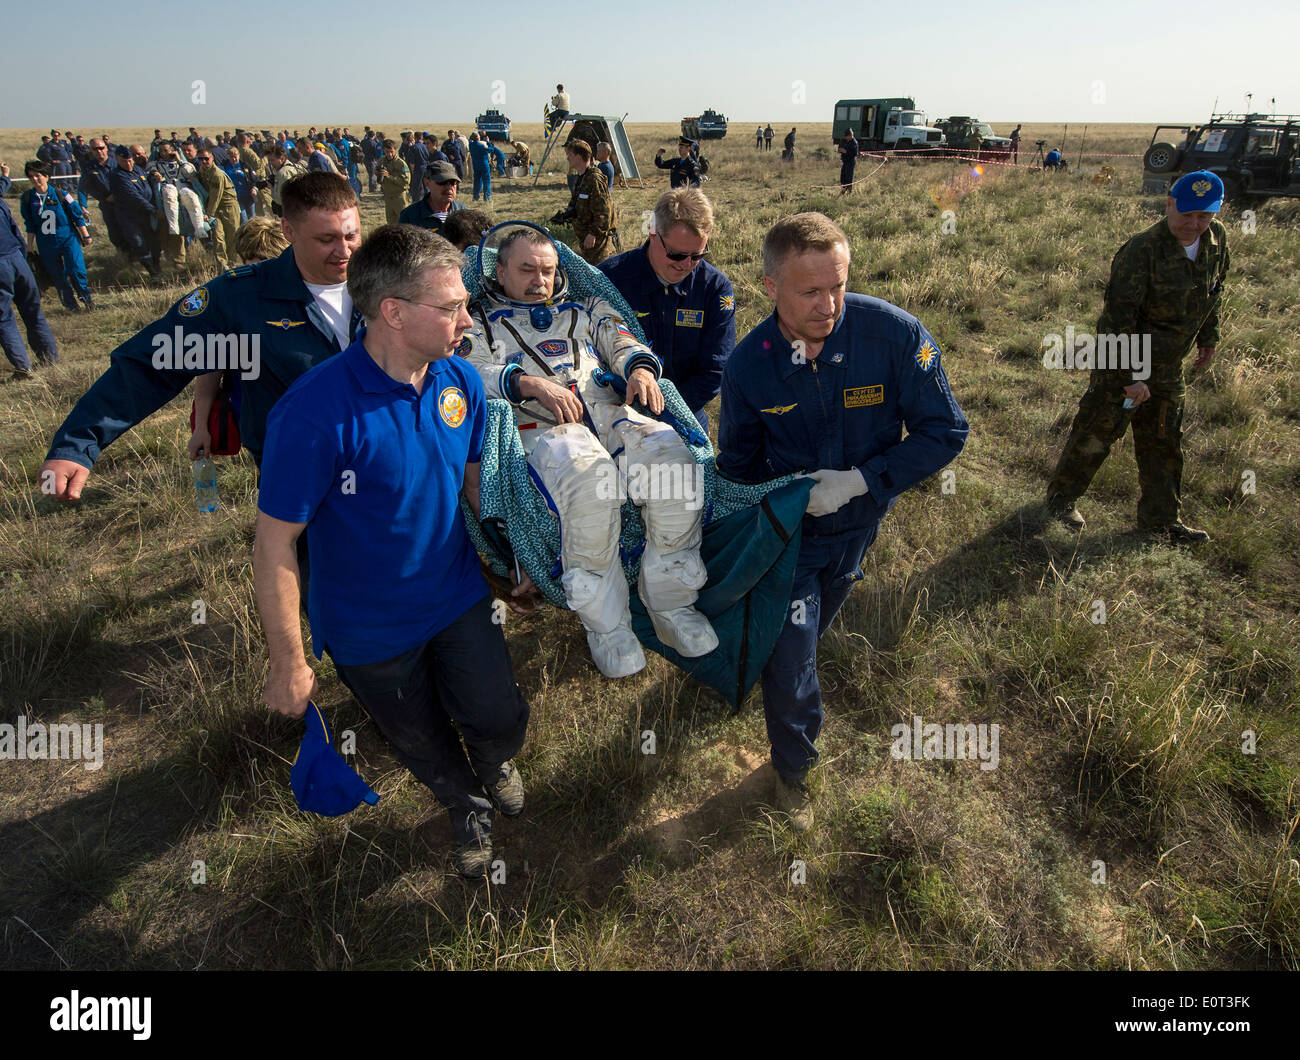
926, 355
858, 396
727, 302
194, 303
690, 318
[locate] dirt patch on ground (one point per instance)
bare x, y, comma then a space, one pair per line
735, 779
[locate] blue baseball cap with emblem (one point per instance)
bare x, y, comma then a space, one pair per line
1201, 190
322, 782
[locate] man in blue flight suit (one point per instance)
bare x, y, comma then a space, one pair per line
415, 155
56, 227
60, 155
685, 169
825, 385
94, 184
133, 206
686, 306
372, 150
18, 288
296, 306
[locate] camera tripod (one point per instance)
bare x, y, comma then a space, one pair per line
1039, 159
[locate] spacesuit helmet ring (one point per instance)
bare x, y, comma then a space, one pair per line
504, 237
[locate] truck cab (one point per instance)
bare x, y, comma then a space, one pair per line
907, 128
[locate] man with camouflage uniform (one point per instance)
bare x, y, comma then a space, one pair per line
394, 176
222, 207
593, 209
1165, 282
256, 165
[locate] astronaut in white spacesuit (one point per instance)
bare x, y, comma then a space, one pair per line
175, 181
552, 357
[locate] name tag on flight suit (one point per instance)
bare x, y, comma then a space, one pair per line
690, 318
856, 397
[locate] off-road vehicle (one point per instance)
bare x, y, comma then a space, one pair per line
1255, 155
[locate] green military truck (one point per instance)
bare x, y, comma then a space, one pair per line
957, 132
885, 124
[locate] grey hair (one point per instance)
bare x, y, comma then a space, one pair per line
392, 264
527, 235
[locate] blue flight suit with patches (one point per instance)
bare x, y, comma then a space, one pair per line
94, 184
50, 219
877, 373
268, 299
134, 209
60, 158
691, 325
18, 289
685, 171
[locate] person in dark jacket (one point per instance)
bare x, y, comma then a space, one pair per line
826, 385
684, 169
19, 290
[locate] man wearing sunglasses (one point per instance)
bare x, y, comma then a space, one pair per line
686, 306
441, 186
94, 184
222, 206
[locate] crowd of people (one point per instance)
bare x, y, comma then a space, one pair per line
356, 330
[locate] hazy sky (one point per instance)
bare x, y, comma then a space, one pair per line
289, 61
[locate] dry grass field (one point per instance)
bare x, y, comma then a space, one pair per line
1124, 827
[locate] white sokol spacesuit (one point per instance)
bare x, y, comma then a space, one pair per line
177, 194
572, 342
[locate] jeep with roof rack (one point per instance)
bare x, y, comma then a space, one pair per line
1257, 156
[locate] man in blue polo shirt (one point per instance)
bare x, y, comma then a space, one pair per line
369, 453
685, 305
826, 385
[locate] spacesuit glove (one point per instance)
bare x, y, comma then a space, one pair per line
834, 489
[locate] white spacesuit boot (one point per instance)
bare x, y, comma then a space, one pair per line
580, 483
668, 486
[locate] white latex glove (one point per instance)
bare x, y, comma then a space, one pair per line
834, 489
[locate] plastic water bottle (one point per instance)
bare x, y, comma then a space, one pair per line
205, 483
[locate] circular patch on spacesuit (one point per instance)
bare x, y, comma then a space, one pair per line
452, 406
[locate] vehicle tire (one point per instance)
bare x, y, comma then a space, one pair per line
904, 145
1161, 158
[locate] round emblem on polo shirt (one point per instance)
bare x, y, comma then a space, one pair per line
452, 406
